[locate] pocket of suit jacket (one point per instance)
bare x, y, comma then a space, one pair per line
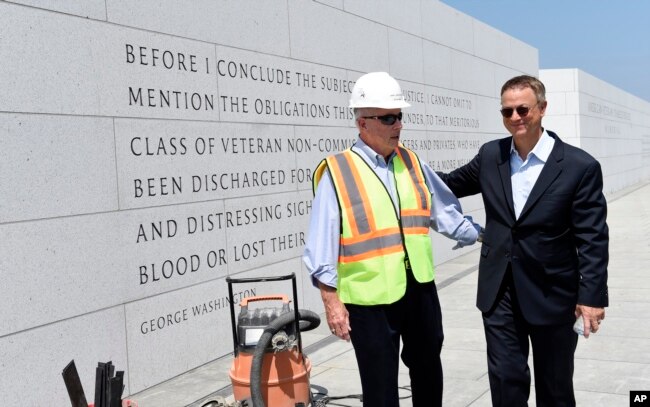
557, 252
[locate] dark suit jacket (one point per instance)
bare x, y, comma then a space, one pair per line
558, 248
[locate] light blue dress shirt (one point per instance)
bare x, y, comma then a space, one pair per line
322, 246
524, 174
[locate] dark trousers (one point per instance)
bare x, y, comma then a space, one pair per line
507, 333
375, 334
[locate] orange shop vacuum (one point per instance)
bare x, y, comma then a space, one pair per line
269, 368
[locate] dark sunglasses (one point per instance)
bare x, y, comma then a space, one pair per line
387, 119
522, 111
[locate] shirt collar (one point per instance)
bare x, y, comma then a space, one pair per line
542, 149
370, 155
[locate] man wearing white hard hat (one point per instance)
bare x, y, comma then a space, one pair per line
369, 252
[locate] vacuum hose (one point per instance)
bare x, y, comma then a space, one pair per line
308, 320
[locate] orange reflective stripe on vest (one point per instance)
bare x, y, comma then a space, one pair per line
416, 221
416, 176
367, 246
361, 219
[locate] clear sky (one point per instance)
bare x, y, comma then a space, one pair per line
609, 39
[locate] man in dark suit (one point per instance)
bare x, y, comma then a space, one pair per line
545, 249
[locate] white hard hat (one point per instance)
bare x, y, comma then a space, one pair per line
377, 89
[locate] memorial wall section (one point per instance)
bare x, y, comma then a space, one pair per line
609, 123
148, 151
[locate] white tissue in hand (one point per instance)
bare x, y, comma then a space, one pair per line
579, 326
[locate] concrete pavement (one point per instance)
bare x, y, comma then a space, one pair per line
608, 364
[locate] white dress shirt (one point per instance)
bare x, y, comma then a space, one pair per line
524, 174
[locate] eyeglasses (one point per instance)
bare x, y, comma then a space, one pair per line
387, 119
522, 111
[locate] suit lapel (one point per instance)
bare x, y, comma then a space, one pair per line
550, 172
503, 164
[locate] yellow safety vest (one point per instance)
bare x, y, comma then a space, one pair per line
376, 244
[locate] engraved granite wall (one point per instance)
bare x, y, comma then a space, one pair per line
609, 123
